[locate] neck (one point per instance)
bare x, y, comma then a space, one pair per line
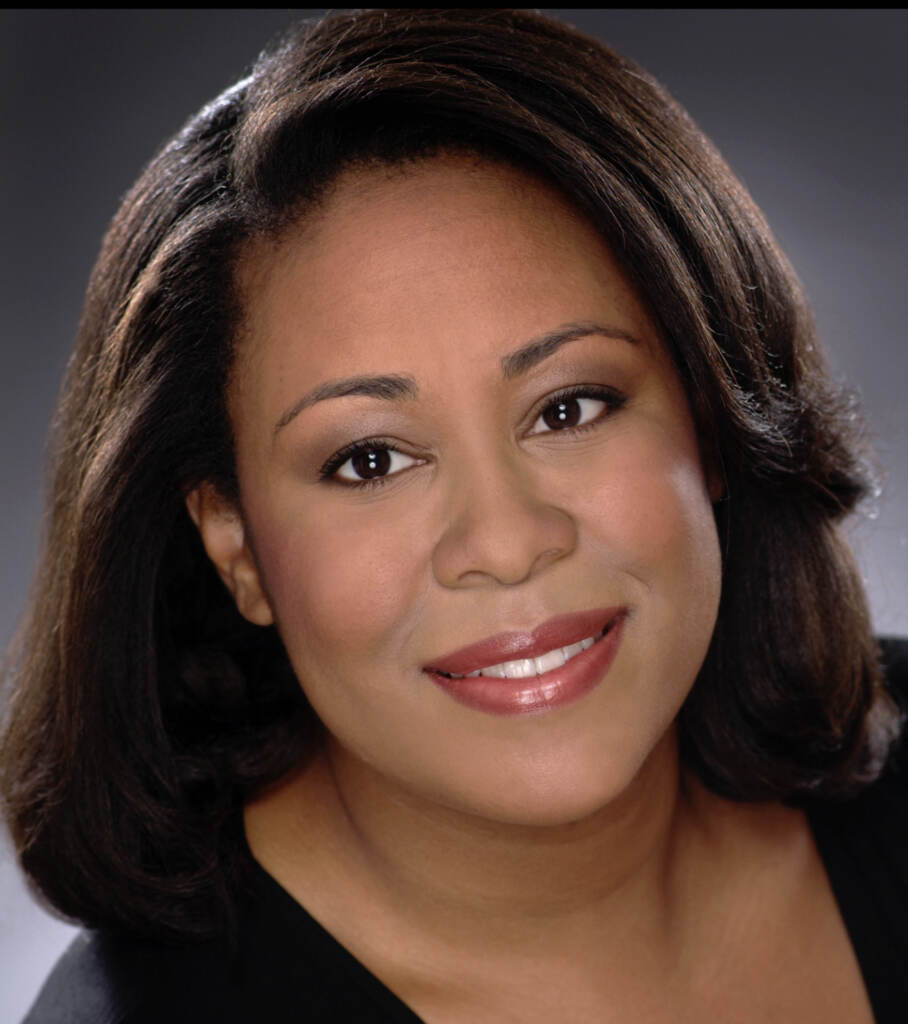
337, 832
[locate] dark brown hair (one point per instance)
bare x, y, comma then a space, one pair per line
144, 710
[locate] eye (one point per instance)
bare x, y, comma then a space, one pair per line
371, 463
576, 409
365, 462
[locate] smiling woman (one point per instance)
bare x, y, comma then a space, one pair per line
444, 543
382, 531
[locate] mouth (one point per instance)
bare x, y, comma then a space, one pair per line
546, 675
524, 654
527, 668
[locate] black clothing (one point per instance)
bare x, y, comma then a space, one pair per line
288, 968
864, 847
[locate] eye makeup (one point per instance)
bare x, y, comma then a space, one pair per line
374, 458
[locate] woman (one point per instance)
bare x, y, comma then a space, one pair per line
443, 614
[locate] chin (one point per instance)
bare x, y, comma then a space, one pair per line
569, 791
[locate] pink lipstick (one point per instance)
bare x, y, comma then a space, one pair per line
538, 670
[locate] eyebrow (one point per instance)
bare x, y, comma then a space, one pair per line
394, 387
535, 351
391, 387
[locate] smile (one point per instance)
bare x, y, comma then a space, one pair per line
557, 663
524, 668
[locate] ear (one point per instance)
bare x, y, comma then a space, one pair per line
223, 534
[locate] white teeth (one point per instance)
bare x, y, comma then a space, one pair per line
525, 668
519, 669
554, 659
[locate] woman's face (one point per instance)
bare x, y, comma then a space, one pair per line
527, 455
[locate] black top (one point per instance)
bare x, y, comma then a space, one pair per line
288, 968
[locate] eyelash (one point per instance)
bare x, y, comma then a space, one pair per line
613, 400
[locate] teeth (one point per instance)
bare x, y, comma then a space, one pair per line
519, 669
524, 668
554, 659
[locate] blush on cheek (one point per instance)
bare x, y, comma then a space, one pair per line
647, 508
334, 585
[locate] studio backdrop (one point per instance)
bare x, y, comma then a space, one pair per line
806, 106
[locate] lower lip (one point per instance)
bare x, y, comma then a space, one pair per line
541, 693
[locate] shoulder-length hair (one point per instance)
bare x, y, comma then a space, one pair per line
144, 710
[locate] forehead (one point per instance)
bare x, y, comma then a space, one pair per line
424, 261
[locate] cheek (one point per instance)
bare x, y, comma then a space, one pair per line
327, 578
650, 515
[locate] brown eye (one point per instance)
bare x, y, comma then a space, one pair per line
569, 411
565, 413
367, 463
370, 464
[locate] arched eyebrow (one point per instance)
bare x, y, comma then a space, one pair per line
395, 387
391, 387
533, 352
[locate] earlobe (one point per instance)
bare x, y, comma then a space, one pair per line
223, 534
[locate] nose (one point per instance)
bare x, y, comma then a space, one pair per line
500, 529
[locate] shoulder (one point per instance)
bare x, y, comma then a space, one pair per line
104, 978
282, 966
864, 840
863, 843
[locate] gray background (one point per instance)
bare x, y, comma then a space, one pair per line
807, 107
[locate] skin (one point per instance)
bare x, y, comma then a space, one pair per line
491, 867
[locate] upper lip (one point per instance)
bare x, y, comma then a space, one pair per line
559, 631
